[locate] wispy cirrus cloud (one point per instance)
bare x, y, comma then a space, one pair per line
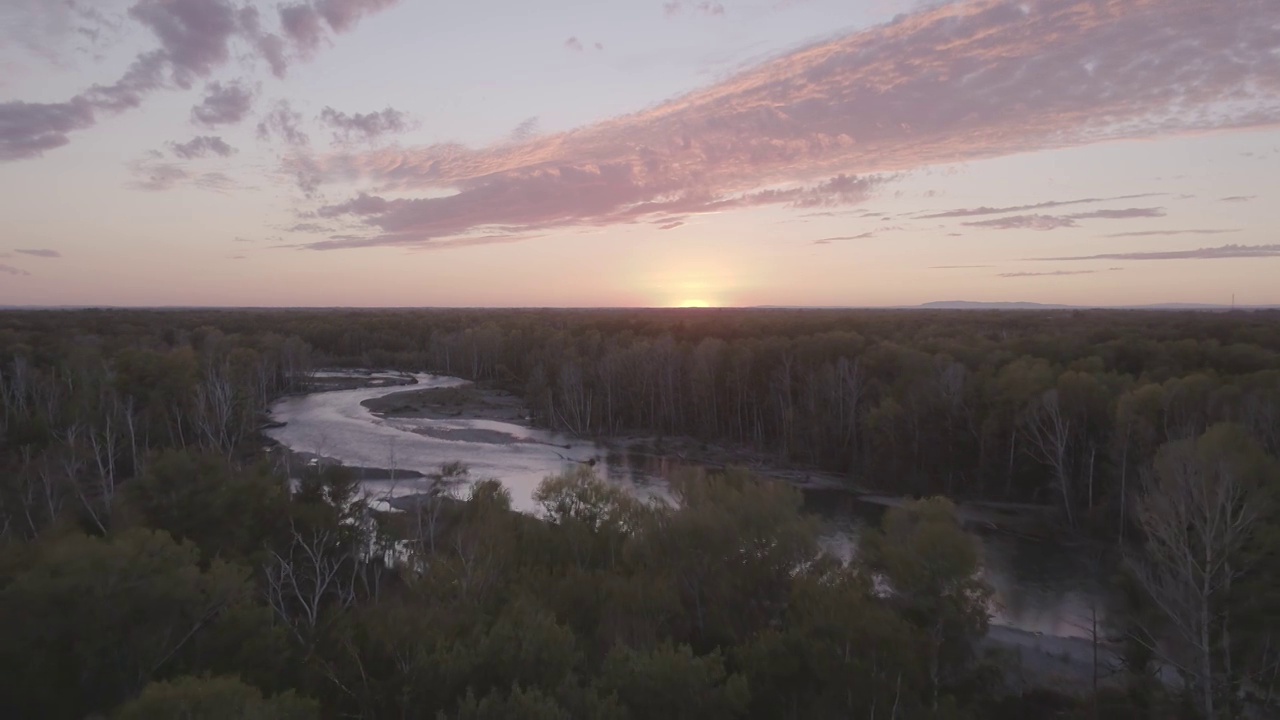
958, 267
161, 176
576, 45
11, 270
959, 82
1120, 214
828, 241
314, 228
223, 104
565, 196
1223, 252
710, 8
1053, 273
1238, 198
283, 123
1047, 205
39, 252
368, 127
1053, 222
1173, 233
60, 33
202, 146
526, 130
1025, 222
194, 38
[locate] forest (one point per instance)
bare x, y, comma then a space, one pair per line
156, 564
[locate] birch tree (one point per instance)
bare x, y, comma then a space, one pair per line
1198, 511
1050, 434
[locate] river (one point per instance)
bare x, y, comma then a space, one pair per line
1040, 588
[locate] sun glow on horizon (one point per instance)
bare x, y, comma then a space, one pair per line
695, 303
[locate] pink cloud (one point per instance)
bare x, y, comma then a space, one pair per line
58, 32
202, 146
828, 241
365, 126
1026, 222
270, 46
162, 176
195, 38
970, 212
285, 123
40, 252
308, 24
343, 15
1120, 214
302, 25
29, 129
195, 35
1054, 273
526, 130
955, 83
1053, 222
223, 104
604, 195
1169, 233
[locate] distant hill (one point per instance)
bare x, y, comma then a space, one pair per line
970, 305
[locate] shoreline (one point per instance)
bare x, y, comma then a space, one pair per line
480, 401
1067, 661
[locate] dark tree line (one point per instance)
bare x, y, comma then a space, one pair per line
1057, 407
81, 411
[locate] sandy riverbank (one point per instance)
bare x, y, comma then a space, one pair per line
481, 402
468, 401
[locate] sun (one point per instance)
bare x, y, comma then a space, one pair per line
694, 303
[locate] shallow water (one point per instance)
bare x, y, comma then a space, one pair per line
335, 425
1039, 587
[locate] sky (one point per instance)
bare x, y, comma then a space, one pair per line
638, 152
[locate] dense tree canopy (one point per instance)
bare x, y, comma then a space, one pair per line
153, 564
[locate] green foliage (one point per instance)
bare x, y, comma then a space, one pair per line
191, 698
531, 704
139, 428
931, 567
227, 512
525, 647
91, 620
671, 683
732, 545
1208, 513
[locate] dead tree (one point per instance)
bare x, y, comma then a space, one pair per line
1197, 510
318, 570
1050, 435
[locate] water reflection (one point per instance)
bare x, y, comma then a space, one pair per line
1039, 587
